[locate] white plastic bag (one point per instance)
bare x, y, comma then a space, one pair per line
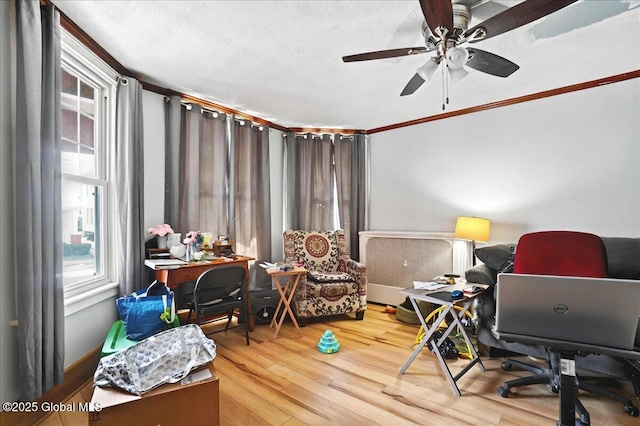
166, 357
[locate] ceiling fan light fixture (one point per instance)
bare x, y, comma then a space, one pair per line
457, 57
427, 70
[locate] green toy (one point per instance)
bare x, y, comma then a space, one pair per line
328, 343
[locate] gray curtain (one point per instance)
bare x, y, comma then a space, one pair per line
351, 181
204, 192
252, 199
130, 186
310, 182
172, 110
38, 241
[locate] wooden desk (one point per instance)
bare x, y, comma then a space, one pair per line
176, 275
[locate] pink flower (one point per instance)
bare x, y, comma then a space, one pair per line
193, 237
160, 230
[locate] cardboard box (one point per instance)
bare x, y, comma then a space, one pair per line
194, 400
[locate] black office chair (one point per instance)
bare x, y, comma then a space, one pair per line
219, 290
560, 253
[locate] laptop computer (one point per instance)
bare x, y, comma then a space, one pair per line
593, 311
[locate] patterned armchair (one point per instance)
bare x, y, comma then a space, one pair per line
335, 284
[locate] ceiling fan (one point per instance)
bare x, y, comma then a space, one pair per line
445, 30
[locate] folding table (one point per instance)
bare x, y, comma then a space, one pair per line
449, 311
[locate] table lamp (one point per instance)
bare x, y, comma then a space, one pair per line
474, 229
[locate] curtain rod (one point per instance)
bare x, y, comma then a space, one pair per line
216, 113
319, 135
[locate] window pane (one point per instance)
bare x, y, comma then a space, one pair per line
69, 84
87, 162
87, 99
86, 131
81, 232
69, 124
70, 159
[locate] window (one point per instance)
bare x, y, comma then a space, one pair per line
87, 134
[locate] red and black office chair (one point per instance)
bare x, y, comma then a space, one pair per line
563, 253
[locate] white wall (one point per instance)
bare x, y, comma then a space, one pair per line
8, 333
276, 169
153, 116
566, 162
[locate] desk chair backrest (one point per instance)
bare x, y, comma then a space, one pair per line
564, 253
218, 285
220, 290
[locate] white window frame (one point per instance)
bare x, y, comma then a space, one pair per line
80, 61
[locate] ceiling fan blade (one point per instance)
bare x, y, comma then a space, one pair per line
490, 63
383, 54
413, 85
438, 13
516, 16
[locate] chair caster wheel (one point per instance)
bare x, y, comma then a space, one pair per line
506, 366
555, 389
632, 410
504, 392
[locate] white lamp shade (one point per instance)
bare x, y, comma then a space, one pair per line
427, 70
457, 57
457, 75
472, 228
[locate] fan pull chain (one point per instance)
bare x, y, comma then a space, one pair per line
444, 82
445, 85
447, 74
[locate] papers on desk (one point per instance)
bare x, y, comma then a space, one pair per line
164, 263
428, 285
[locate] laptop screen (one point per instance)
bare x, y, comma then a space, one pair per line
595, 311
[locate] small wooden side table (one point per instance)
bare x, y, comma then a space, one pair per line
287, 293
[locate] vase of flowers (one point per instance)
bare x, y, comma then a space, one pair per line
193, 241
161, 231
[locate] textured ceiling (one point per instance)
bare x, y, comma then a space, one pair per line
281, 60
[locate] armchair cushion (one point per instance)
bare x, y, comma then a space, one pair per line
327, 277
332, 291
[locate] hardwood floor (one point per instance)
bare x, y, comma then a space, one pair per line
287, 381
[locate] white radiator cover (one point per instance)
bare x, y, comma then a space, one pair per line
395, 259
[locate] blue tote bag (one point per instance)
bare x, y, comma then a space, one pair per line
147, 311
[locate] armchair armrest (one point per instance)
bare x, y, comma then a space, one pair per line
359, 271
